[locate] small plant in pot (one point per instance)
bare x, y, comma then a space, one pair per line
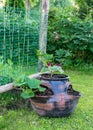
57, 99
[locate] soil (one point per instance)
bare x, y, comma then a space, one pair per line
47, 92
71, 91
53, 77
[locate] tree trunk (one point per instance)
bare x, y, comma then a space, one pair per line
43, 29
28, 8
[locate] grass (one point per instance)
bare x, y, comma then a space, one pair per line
81, 119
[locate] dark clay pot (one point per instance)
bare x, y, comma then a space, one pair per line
63, 100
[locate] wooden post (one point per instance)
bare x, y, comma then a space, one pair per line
43, 29
6, 87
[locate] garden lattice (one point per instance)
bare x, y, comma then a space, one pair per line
19, 35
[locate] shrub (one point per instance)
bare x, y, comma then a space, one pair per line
75, 38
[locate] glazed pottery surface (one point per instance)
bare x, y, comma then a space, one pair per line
63, 101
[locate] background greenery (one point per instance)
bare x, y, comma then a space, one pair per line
75, 31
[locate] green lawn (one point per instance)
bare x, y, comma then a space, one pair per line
81, 119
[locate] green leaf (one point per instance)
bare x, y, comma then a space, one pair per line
26, 94
91, 49
10, 62
44, 69
44, 57
48, 57
42, 89
60, 70
19, 80
33, 83
56, 69
19, 84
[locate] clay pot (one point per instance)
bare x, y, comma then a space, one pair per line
63, 100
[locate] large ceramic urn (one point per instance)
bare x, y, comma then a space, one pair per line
60, 101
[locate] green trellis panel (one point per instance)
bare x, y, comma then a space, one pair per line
19, 36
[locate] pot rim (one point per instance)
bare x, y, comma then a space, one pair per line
60, 78
46, 96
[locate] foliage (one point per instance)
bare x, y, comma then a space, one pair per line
33, 86
62, 4
28, 86
18, 76
74, 45
21, 3
64, 57
47, 60
85, 8
5, 80
11, 73
5, 68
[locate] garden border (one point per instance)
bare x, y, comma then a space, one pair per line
6, 87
